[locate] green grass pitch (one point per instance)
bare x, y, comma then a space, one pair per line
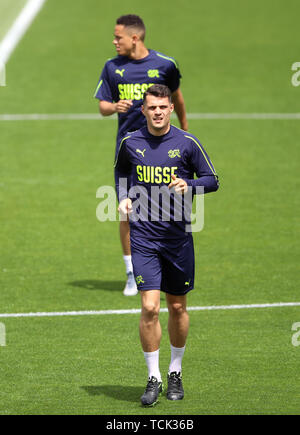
235, 57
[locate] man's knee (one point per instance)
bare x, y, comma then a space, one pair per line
177, 309
150, 310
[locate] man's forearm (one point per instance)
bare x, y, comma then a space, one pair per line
179, 107
210, 183
122, 183
107, 109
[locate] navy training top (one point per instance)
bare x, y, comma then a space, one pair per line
145, 161
125, 79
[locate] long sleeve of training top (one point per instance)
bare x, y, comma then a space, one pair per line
122, 172
202, 167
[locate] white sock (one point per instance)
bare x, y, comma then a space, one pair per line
128, 263
176, 359
152, 361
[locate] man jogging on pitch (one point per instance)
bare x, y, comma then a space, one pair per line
120, 90
165, 157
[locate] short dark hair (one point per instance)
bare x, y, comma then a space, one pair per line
160, 91
133, 21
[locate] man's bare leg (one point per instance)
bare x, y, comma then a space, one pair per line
179, 322
130, 289
178, 331
125, 237
150, 334
150, 329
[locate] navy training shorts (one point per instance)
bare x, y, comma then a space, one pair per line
166, 265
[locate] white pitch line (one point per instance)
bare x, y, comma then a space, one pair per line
19, 28
137, 310
98, 117
55, 117
246, 116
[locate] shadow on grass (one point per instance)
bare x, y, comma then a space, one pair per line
90, 284
118, 392
117, 286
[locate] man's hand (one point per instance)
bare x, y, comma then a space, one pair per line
125, 207
123, 106
108, 109
179, 185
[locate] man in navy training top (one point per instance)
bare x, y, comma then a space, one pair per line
165, 157
120, 89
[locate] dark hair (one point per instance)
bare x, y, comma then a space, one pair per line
133, 21
160, 91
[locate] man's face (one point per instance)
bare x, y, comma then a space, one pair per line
157, 111
123, 40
